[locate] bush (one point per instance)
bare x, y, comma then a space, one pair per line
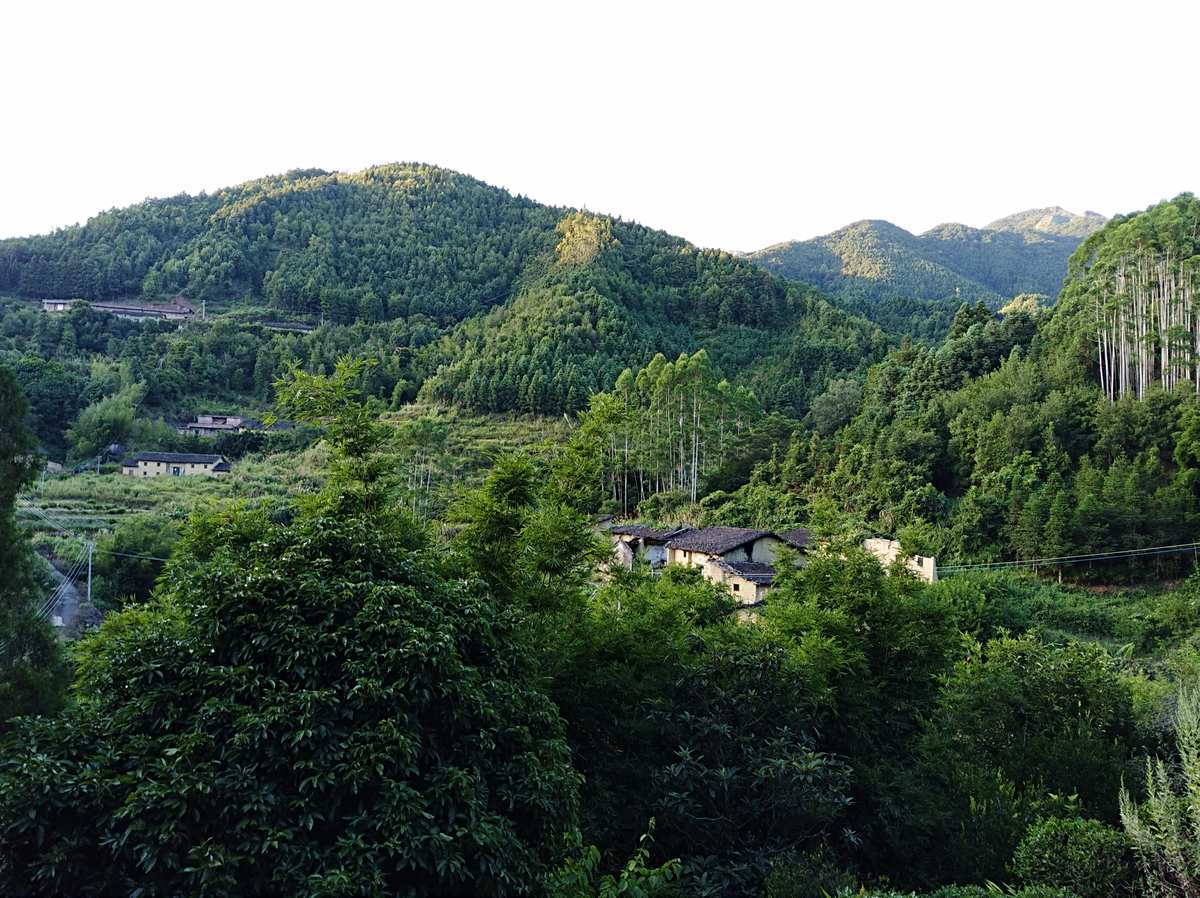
1091, 859
807, 875
307, 708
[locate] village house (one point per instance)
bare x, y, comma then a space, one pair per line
888, 551
741, 559
632, 542
177, 309
174, 464
215, 425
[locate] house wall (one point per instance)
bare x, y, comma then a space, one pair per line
624, 553
766, 549
745, 591
163, 469
889, 550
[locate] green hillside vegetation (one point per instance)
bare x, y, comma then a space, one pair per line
479, 713
473, 295
1051, 220
913, 283
389, 653
1000, 444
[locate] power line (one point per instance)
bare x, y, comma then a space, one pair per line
68, 579
65, 530
1113, 555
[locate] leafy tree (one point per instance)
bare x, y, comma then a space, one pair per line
104, 422
32, 671
314, 704
128, 561
835, 408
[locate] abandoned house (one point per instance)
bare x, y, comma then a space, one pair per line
741, 559
888, 551
174, 464
637, 541
214, 425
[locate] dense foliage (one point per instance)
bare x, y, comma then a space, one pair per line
311, 705
371, 690
997, 445
536, 307
32, 672
912, 283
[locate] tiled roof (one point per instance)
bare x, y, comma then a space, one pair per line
798, 538
642, 531
716, 540
754, 571
177, 458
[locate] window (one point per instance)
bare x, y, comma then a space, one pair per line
176, 471
737, 587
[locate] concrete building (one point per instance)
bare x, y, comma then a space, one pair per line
174, 464
889, 551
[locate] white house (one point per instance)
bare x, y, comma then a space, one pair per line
174, 464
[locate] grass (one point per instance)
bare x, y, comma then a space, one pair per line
91, 504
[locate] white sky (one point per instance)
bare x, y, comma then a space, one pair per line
736, 125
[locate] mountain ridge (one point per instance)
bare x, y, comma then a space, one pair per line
913, 283
513, 304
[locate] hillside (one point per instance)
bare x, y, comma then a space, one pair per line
1051, 220
913, 283
464, 292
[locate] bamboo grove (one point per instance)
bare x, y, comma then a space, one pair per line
1142, 279
665, 428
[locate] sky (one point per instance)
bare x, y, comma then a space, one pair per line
735, 125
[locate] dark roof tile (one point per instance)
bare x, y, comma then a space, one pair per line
643, 531
716, 540
179, 458
754, 571
798, 538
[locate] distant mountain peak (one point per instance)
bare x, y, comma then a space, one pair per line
1050, 220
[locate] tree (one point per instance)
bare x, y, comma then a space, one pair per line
834, 408
32, 671
128, 561
106, 421
313, 704
1018, 727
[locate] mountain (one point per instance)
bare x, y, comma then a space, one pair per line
913, 283
508, 304
1051, 220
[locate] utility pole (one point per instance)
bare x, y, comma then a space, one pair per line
91, 548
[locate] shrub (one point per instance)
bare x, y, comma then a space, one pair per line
807, 875
1091, 859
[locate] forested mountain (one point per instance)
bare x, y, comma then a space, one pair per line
1042, 433
1051, 220
913, 283
496, 301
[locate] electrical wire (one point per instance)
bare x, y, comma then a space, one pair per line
1113, 555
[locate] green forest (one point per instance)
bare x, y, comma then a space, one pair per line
391, 652
913, 283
